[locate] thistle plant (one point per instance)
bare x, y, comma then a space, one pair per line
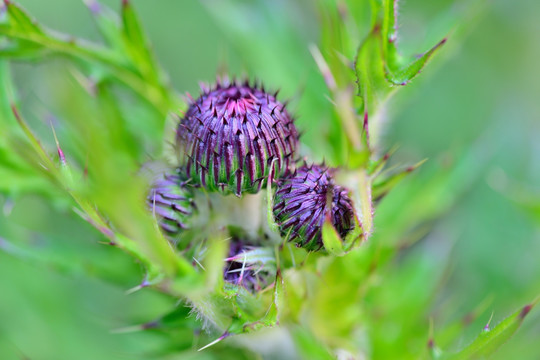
313, 277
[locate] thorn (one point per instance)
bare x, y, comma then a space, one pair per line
204, 87
366, 127
58, 148
142, 285
85, 171
13, 106
93, 6
125, 3
526, 309
486, 328
226, 334
198, 263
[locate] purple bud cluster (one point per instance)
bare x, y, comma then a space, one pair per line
232, 139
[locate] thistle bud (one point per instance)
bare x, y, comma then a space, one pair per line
252, 267
231, 135
303, 200
172, 202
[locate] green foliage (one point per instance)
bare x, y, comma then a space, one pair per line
373, 301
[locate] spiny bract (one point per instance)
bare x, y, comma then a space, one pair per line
301, 204
171, 201
232, 134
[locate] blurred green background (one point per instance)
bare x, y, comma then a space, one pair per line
474, 112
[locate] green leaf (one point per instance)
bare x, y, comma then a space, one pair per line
108, 24
308, 346
490, 340
404, 75
137, 45
20, 20
331, 239
379, 67
387, 183
369, 67
138, 70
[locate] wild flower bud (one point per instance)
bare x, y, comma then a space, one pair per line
253, 267
172, 202
303, 200
231, 135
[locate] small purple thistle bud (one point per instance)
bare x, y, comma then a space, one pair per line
301, 204
230, 134
249, 266
171, 201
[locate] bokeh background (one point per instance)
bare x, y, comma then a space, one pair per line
474, 114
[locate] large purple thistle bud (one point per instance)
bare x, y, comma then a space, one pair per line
302, 202
232, 134
171, 201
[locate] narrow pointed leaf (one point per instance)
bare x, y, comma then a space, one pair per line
20, 20
490, 340
404, 75
383, 186
108, 24
137, 45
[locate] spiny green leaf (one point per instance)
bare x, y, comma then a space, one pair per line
490, 340
20, 20
379, 67
372, 85
404, 75
138, 72
452, 331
